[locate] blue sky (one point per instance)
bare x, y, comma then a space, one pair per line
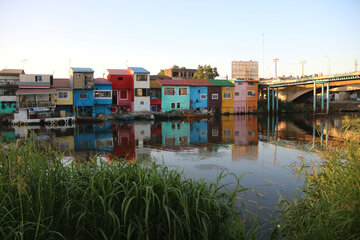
158, 34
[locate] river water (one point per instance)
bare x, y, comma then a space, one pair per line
266, 149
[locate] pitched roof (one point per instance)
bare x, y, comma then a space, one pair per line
138, 70
198, 82
221, 83
101, 81
61, 83
12, 71
118, 72
77, 69
155, 84
159, 77
173, 82
35, 91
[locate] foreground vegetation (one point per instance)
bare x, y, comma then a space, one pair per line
329, 207
40, 198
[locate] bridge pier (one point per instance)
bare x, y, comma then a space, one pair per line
277, 100
322, 97
273, 100
327, 98
268, 98
314, 97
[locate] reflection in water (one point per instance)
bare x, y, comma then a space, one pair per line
266, 148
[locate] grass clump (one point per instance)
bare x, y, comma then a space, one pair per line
41, 198
330, 206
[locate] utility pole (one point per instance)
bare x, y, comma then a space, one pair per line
303, 62
275, 61
23, 61
356, 64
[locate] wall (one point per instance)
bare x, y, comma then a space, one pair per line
79, 82
83, 102
68, 101
29, 80
227, 105
198, 132
195, 100
166, 101
214, 104
175, 134
141, 107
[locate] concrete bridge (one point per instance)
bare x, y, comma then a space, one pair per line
300, 90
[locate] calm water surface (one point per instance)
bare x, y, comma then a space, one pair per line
266, 149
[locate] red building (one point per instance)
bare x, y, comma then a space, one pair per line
123, 89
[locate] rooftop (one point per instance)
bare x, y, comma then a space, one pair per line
101, 81
198, 82
155, 84
139, 70
12, 72
77, 69
25, 91
221, 83
61, 83
173, 83
118, 72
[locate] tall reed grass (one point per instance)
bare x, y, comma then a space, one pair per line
41, 198
330, 205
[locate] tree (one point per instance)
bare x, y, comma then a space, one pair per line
175, 67
206, 72
161, 73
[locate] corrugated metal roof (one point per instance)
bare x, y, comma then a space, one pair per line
222, 83
173, 82
155, 84
118, 72
101, 81
35, 91
139, 70
12, 71
77, 69
61, 83
198, 82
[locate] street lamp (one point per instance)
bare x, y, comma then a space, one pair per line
275, 61
302, 68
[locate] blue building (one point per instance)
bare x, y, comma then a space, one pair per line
198, 93
102, 96
82, 83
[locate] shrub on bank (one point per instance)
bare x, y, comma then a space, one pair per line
330, 207
41, 198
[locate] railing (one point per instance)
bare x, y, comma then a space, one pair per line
34, 104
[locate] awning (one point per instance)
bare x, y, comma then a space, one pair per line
30, 91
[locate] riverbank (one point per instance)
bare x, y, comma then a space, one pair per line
44, 197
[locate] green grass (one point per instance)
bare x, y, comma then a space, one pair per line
40, 198
330, 205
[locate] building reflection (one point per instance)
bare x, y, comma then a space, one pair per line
199, 132
124, 141
175, 135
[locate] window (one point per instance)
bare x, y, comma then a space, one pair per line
227, 132
251, 93
141, 102
237, 133
102, 94
120, 78
203, 96
83, 95
227, 89
141, 77
182, 91
215, 132
38, 78
63, 95
251, 83
51, 80
77, 74
123, 94
240, 83
215, 96
178, 105
172, 105
227, 95
169, 91
141, 92
87, 81
237, 94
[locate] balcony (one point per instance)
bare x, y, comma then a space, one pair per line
35, 104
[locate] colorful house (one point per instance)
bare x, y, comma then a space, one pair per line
102, 96
227, 93
155, 95
245, 96
174, 95
214, 97
64, 99
198, 93
9, 84
141, 80
82, 82
123, 89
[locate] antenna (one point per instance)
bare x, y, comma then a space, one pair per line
23, 61
275, 61
356, 64
263, 55
302, 67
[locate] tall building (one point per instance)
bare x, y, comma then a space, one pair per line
180, 73
245, 70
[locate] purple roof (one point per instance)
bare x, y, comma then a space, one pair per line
101, 81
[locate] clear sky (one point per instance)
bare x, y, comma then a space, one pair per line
156, 34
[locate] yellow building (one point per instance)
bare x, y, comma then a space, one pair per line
227, 94
227, 123
64, 100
